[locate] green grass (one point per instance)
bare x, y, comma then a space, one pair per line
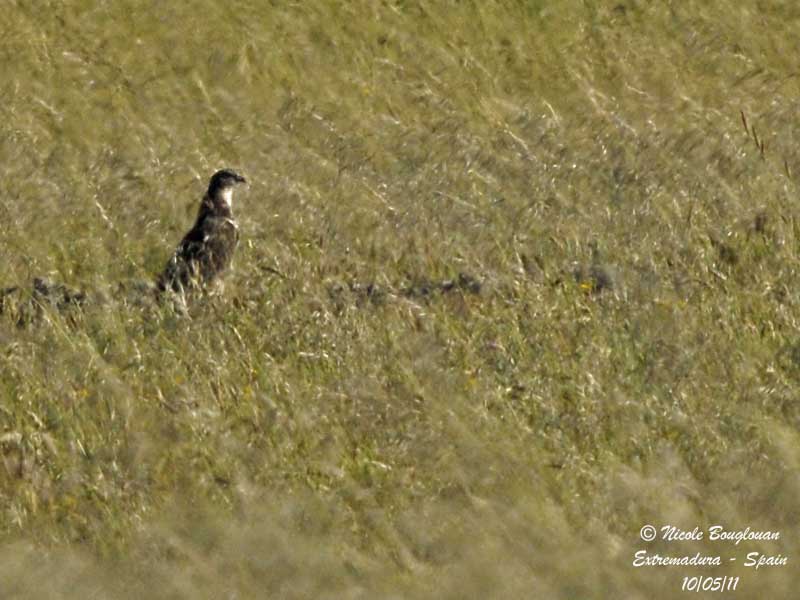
294, 437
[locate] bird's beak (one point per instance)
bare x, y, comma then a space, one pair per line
240, 179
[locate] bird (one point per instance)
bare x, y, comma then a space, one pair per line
206, 251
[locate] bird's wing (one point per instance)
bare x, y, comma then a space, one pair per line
181, 268
203, 253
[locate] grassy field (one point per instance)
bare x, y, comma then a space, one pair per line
346, 420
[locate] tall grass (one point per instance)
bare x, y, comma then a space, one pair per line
335, 424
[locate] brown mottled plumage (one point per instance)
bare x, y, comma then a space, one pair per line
207, 250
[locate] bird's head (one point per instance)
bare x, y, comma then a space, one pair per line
220, 188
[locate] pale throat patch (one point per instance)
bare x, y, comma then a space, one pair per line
227, 196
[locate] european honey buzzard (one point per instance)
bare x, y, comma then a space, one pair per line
207, 250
